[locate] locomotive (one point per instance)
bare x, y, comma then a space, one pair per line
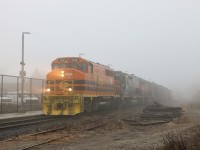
76, 85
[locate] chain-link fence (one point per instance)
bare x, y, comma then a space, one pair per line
11, 94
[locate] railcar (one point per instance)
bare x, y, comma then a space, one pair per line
133, 88
161, 93
75, 85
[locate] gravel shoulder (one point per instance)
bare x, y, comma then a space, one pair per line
128, 137
123, 135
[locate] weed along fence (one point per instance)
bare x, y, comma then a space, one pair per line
12, 99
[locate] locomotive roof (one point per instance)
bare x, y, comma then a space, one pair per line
100, 64
62, 59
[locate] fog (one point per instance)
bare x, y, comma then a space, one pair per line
156, 40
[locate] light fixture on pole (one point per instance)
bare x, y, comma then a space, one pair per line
22, 72
81, 54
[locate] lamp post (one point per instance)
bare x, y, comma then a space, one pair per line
22, 72
81, 54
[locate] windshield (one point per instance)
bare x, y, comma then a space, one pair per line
82, 66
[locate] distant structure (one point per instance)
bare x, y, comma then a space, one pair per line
37, 74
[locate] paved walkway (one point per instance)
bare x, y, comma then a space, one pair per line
15, 115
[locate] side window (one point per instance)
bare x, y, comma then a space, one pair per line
74, 65
83, 67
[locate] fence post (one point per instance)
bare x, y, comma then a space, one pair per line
43, 89
17, 94
30, 94
1, 93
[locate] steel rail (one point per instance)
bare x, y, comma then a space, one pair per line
55, 139
99, 124
46, 131
13, 124
22, 119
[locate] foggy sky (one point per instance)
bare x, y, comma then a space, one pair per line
157, 40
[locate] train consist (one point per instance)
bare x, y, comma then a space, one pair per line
76, 85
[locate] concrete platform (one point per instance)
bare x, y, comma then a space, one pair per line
16, 115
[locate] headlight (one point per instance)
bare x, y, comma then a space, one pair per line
69, 89
62, 73
48, 90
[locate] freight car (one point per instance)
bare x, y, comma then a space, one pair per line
76, 85
135, 88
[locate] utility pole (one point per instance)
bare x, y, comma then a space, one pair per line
22, 72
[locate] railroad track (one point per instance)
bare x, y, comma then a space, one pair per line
11, 129
67, 132
95, 125
8, 125
64, 136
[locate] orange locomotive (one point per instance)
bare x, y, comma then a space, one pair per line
75, 85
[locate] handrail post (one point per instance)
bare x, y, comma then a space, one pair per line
1, 93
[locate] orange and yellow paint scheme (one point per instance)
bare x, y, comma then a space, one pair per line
75, 85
